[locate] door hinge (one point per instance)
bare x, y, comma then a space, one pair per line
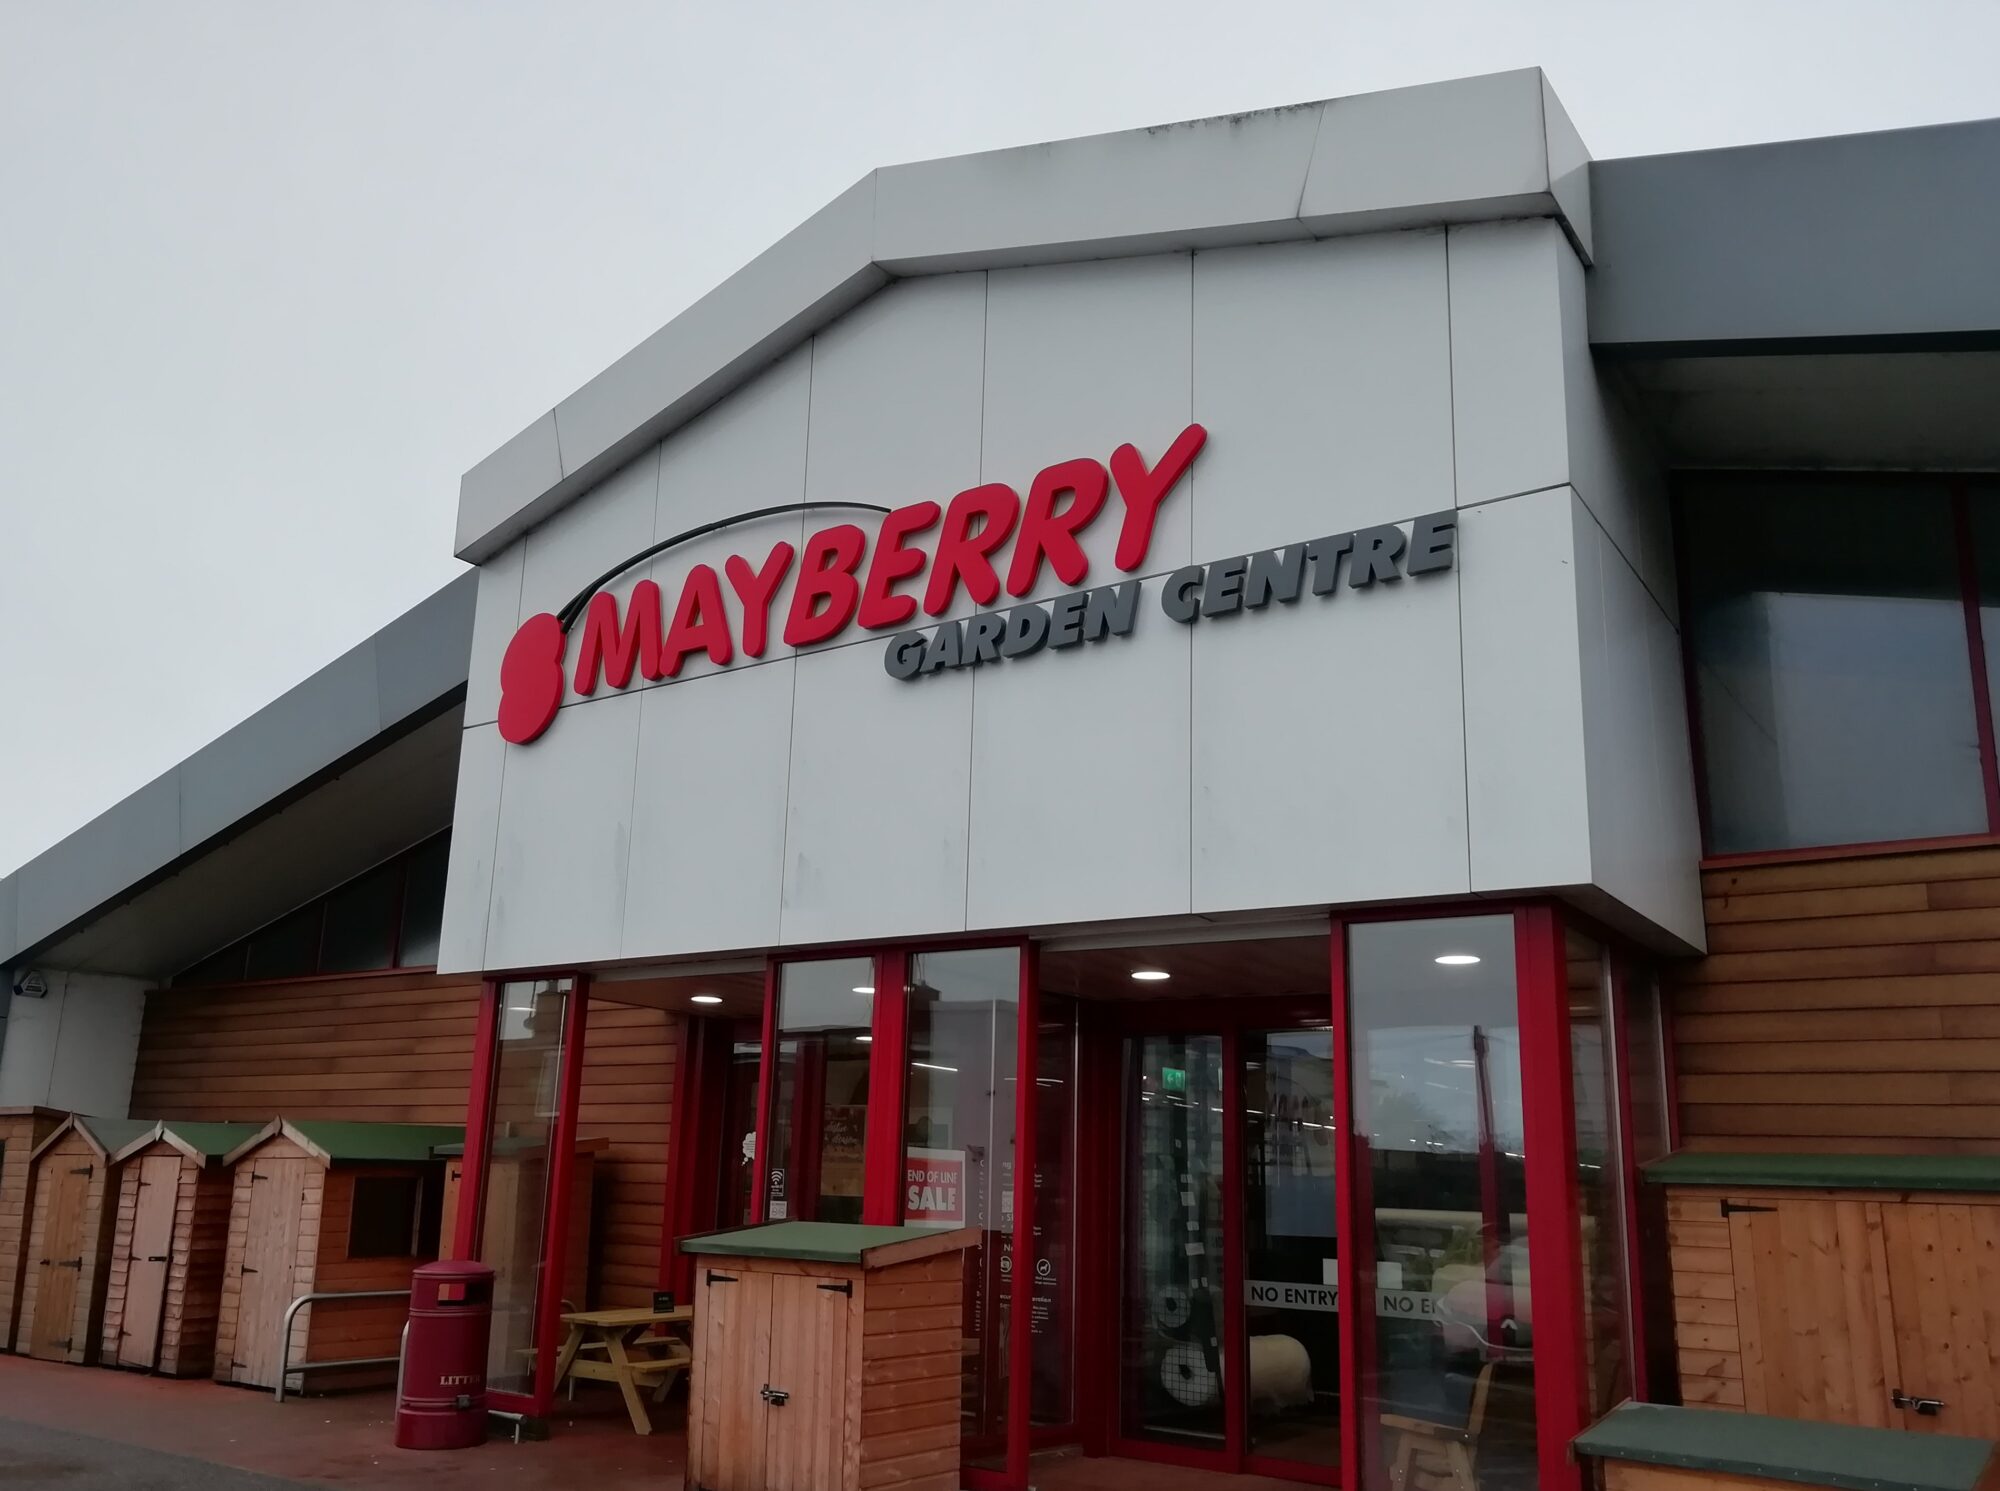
1928, 1407
64, 1343
75, 1263
716, 1278
777, 1397
255, 1176
1731, 1208
247, 1269
845, 1286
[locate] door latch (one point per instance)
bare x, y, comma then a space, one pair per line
777, 1397
159, 1258
1928, 1407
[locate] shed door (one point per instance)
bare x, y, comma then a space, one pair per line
1812, 1308
1944, 1282
152, 1254
808, 1364
270, 1256
60, 1262
734, 1317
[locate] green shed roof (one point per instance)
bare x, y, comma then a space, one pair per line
113, 1134
816, 1242
1841, 1456
209, 1139
387, 1142
1955, 1172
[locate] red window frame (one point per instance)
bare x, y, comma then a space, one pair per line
1958, 490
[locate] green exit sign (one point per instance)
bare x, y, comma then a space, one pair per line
1173, 1078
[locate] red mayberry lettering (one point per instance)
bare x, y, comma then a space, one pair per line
880, 605
826, 573
699, 625
962, 547
531, 679
614, 649
1045, 531
756, 588
1143, 491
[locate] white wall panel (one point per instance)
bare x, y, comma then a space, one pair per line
1083, 358
76, 1047
475, 826
1527, 800
610, 522
1508, 409
1329, 753
1323, 374
708, 813
896, 407
563, 846
747, 452
875, 837
1080, 780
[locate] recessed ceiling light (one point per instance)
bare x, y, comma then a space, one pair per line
1458, 960
864, 988
1150, 975
705, 999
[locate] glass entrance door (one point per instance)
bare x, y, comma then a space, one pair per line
1229, 1331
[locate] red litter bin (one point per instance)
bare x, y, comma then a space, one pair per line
441, 1399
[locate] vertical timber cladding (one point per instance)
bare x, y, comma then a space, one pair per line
21, 1131
398, 1049
1847, 1005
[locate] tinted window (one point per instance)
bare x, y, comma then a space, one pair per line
287, 948
361, 922
225, 967
383, 1223
1831, 670
423, 903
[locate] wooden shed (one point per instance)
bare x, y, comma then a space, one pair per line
167, 1246
69, 1237
21, 1131
326, 1207
827, 1355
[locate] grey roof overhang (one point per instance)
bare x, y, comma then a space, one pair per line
363, 717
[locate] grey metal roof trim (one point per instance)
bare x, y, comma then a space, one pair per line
1468, 150
390, 683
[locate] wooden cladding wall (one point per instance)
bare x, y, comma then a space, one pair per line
1846, 1005
397, 1048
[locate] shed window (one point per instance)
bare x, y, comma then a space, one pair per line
1830, 628
386, 1216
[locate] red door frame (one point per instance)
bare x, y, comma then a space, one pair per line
470, 1220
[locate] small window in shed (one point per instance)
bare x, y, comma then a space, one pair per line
387, 1217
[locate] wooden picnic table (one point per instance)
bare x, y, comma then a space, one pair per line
632, 1357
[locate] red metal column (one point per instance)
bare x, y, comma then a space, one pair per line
767, 1058
1355, 1264
478, 1124
1555, 1239
562, 1166
888, 1071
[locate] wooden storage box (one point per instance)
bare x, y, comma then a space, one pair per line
323, 1207
69, 1238
168, 1246
1647, 1447
21, 1132
512, 1160
826, 1358
1857, 1289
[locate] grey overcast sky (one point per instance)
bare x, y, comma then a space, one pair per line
272, 275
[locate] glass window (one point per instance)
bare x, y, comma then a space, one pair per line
361, 922
423, 903
1054, 1298
1600, 1177
1645, 1063
819, 1097
1436, 1054
288, 948
958, 1154
225, 967
1831, 671
384, 1217
527, 1086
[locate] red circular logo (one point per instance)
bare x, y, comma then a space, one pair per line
531, 679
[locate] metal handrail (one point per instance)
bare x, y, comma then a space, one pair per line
291, 1313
